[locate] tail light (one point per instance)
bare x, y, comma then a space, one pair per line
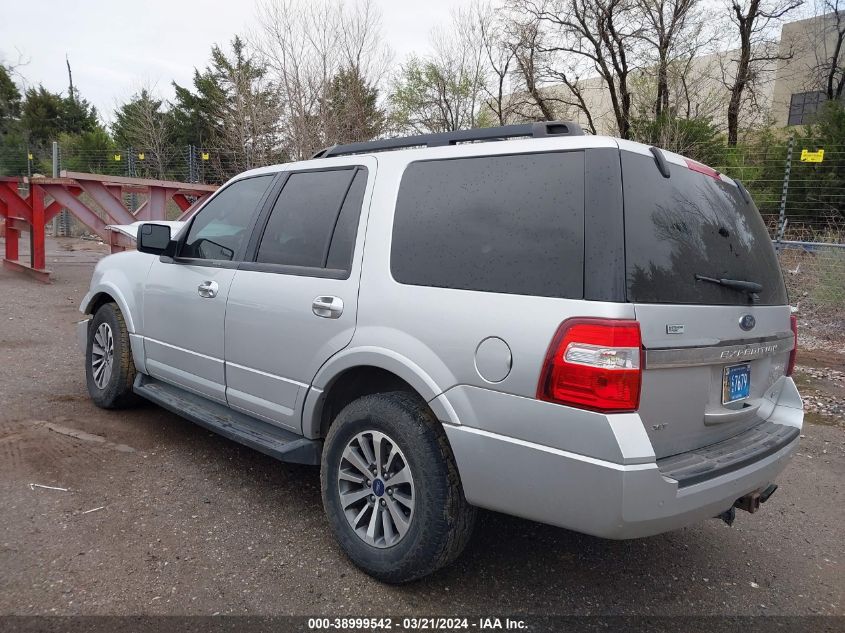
694, 165
790, 366
594, 364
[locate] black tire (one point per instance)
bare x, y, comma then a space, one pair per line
116, 392
442, 520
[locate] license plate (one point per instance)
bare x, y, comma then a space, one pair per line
736, 383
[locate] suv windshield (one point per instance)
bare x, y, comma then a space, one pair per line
689, 226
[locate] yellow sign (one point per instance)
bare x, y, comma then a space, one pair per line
812, 157
29, 156
141, 156
205, 155
117, 157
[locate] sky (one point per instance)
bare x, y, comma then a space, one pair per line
115, 48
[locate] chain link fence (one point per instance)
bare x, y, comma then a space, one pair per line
185, 164
799, 186
800, 193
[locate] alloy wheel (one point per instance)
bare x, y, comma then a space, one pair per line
376, 489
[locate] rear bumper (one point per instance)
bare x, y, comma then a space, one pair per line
594, 496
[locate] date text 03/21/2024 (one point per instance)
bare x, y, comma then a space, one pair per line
417, 624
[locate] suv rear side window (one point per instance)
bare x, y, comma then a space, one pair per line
222, 227
692, 224
314, 220
512, 224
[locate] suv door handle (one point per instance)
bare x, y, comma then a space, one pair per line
208, 289
327, 307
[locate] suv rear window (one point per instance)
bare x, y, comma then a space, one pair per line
692, 224
511, 224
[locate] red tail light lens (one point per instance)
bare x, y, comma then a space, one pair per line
790, 366
594, 364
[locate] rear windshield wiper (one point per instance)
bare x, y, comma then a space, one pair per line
751, 287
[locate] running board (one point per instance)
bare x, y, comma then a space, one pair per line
244, 429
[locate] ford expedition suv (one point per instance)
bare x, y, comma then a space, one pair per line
574, 329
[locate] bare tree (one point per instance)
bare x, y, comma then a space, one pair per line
532, 61
500, 60
829, 47
672, 29
443, 91
306, 47
539, 74
754, 21
604, 33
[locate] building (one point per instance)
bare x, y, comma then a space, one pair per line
799, 84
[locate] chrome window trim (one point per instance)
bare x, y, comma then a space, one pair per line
714, 354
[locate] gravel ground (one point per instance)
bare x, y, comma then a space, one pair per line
162, 517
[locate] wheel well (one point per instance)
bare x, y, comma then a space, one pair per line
354, 383
99, 300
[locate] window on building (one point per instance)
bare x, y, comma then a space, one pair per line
803, 107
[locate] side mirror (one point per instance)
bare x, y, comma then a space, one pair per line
153, 238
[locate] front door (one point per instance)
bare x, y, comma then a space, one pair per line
295, 304
185, 297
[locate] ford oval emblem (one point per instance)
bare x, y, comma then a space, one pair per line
747, 322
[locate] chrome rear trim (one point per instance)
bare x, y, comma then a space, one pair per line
715, 354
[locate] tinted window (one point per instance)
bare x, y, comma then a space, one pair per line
222, 227
689, 224
346, 229
511, 224
299, 231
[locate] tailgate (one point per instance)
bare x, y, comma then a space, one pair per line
687, 350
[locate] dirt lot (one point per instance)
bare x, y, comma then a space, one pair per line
161, 516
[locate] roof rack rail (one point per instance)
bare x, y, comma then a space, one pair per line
533, 130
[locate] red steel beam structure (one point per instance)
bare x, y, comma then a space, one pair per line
31, 212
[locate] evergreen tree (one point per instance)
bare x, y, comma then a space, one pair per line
45, 115
233, 110
351, 109
10, 102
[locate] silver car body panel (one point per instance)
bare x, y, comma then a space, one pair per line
274, 342
261, 349
176, 349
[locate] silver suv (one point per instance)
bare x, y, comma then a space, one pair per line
574, 329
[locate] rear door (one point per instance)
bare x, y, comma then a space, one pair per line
185, 297
711, 352
294, 305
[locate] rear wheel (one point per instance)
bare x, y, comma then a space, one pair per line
391, 489
109, 368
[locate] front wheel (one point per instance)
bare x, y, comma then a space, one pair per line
391, 489
109, 368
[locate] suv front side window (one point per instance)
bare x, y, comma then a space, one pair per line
222, 227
